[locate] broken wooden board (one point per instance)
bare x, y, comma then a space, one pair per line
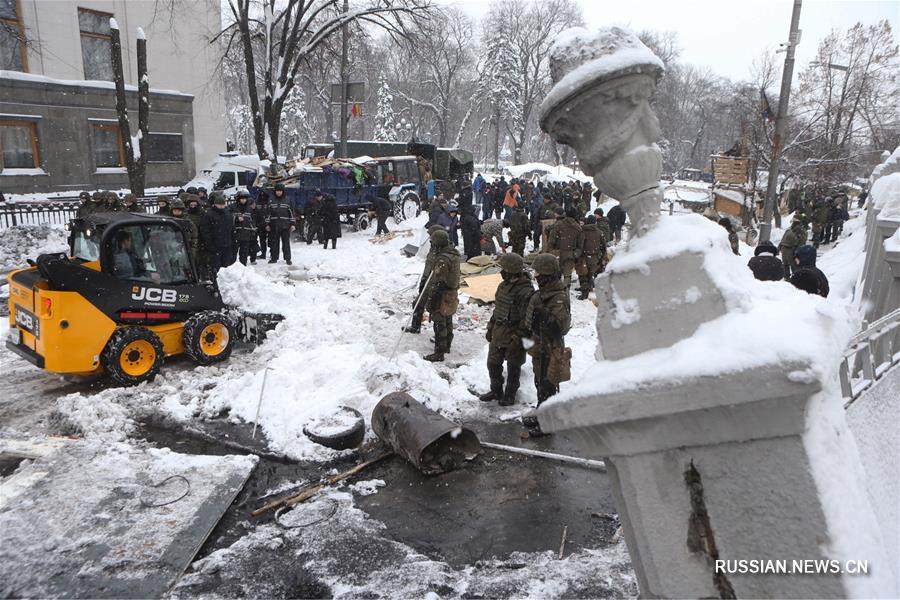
483, 287
101, 520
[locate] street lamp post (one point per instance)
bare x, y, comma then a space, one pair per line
765, 229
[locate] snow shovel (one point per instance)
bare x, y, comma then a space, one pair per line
427, 440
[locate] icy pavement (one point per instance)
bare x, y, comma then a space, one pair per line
83, 519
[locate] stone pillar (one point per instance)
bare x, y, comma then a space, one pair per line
742, 453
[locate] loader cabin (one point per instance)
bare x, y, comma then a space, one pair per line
145, 248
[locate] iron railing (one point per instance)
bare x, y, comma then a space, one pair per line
870, 355
55, 212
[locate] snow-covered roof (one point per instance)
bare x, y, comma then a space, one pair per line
85, 83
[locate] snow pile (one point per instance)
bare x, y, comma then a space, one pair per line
23, 242
367, 488
891, 164
94, 419
885, 195
580, 57
810, 329
843, 264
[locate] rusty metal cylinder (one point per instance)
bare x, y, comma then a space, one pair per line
430, 442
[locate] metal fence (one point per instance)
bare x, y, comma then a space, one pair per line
55, 212
871, 353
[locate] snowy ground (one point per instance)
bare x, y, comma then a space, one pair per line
344, 309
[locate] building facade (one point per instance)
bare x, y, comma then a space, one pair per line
58, 124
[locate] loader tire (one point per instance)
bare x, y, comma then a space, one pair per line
132, 355
208, 337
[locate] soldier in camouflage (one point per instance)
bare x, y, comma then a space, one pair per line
593, 252
442, 295
792, 239
492, 234
519, 230
419, 304
86, 207
129, 204
566, 242
506, 329
548, 318
821, 213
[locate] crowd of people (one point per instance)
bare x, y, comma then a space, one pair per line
219, 235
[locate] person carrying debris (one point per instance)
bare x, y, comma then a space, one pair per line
419, 303
244, 228
279, 224
519, 230
566, 241
382, 208
442, 298
548, 318
792, 239
506, 329
491, 235
590, 262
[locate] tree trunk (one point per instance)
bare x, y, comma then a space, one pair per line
135, 179
497, 140
143, 113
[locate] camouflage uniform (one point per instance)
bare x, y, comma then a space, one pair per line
86, 207
419, 304
548, 317
442, 294
566, 242
792, 239
519, 230
591, 261
490, 230
129, 204
506, 329
821, 213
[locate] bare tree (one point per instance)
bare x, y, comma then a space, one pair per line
277, 36
135, 147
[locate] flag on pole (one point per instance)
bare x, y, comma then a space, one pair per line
356, 110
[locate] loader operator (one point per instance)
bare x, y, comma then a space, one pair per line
126, 264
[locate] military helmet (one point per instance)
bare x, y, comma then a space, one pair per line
84, 196
440, 238
434, 228
129, 198
512, 263
161, 199
191, 190
97, 196
545, 264
178, 203
112, 197
590, 220
201, 189
218, 198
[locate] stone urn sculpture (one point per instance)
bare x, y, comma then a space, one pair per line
600, 107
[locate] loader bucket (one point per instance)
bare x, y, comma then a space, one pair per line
430, 442
252, 327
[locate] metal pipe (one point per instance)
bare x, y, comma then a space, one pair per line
572, 460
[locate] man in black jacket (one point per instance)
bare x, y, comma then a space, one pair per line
382, 212
244, 228
280, 224
471, 232
216, 234
313, 216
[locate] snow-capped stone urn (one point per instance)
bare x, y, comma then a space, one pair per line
714, 401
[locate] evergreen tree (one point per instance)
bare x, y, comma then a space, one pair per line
294, 131
385, 121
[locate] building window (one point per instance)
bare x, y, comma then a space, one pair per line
96, 44
19, 146
13, 56
165, 147
109, 150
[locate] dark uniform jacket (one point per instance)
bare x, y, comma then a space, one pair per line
215, 231
244, 227
279, 214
